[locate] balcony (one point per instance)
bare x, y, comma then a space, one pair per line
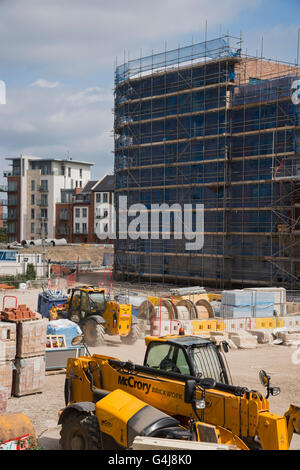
43, 189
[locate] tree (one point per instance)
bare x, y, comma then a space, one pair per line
30, 272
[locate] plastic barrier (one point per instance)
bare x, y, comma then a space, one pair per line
203, 326
160, 327
237, 324
292, 322
264, 323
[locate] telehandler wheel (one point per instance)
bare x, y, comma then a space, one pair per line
134, 335
80, 432
93, 333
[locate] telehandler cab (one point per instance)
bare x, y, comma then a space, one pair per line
182, 391
96, 315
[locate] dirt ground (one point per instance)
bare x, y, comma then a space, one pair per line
93, 253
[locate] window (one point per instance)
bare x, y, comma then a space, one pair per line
44, 213
80, 183
32, 227
80, 173
105, 197
84, 228
32, 213
32, 199
44, 185
76, 184
77, 212
105, 228
12, 185
44, 199
12, 200
32, 185
84, 212
98, 197
157, 353
62, 170
77, 227
63, 214
69, 172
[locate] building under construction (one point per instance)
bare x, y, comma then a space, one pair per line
205, 124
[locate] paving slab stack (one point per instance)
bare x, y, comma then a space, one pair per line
247, 304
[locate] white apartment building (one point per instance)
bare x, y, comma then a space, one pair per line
34, 188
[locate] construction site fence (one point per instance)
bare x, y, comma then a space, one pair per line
159, 327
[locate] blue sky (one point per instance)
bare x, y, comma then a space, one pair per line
57, 58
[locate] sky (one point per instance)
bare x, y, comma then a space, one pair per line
57, 59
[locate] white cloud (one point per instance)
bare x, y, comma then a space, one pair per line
42, 83
83, 36
51, 123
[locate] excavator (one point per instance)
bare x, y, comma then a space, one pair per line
96, 315
183, 391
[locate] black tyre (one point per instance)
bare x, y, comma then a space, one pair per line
134, 335
93, 333
80, 432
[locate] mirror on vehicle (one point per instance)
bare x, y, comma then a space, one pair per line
225, 346
275, 391
190, 391
77, 340
264, 378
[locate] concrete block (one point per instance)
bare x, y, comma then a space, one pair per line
7, 341
3, 400
6, 376
244, 340
263, 336
31, 338
29, 376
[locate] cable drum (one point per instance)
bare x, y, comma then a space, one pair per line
186, 310
204, 310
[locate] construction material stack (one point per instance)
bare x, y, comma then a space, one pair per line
7, 356
29, 373
22, 350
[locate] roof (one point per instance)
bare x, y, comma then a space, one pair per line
88, 187
186, 340
63, 160
107, 183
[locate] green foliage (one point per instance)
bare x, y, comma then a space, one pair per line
3, 235
30, 272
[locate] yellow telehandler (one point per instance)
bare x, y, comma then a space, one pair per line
182, 391
96, 315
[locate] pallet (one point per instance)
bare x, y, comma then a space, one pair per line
56, 341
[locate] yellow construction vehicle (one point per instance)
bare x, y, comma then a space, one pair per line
96, 315
182, 391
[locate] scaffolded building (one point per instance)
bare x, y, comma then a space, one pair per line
208, 125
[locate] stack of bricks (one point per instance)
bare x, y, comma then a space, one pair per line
7, 357
17, 314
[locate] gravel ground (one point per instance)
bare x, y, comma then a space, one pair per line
42, 408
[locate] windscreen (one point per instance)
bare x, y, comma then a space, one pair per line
98, 300
206, 362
